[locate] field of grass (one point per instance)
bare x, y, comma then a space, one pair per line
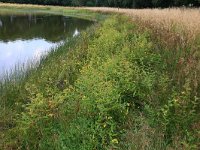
128, 82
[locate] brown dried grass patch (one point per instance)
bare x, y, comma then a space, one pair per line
178, 19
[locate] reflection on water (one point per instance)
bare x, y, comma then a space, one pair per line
20, 51
28, 36
1, 24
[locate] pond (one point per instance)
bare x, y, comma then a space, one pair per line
26, 37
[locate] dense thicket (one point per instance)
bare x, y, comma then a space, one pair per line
112, 3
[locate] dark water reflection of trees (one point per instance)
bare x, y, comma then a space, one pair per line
49, 27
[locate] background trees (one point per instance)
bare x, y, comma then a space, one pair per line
112, 3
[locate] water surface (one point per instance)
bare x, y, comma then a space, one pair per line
28, 36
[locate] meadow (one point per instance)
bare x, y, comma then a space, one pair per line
131, 81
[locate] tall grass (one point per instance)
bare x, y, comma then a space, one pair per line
175, 33
175, 29
187, 19
119, 85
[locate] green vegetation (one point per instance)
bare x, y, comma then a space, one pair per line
117, 86
77, 13
111, 3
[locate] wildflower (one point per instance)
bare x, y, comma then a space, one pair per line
115, 141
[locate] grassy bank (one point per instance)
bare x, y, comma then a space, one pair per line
120, 85
57, 10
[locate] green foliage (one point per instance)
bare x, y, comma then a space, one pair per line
178, 116
110, 90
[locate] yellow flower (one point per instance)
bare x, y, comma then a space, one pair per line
115, 141
109, 117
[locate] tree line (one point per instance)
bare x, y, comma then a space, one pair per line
112, 3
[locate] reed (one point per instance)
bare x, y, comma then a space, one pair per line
186, 19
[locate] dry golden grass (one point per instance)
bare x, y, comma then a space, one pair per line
179, 19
